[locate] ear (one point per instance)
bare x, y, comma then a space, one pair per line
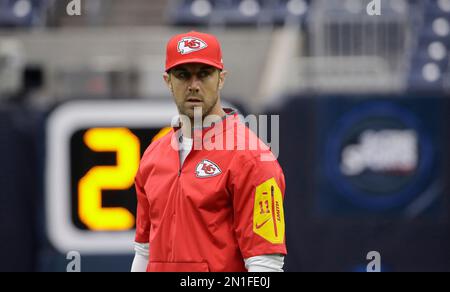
166, 77
222, 78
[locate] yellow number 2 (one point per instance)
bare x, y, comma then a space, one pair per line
118, 177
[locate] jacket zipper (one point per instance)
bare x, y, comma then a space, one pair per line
180, 171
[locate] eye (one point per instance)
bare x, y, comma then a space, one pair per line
181, 75
204, 74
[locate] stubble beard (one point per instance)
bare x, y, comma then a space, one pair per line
205, 109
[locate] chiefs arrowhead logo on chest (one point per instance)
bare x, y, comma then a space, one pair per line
207, 169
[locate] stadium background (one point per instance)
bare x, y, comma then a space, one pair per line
364, 122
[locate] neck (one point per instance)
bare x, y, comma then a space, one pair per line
219, 112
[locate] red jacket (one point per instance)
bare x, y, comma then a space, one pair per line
219, 208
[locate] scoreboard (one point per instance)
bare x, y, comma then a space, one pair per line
93, 149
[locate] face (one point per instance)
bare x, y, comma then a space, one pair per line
196, 85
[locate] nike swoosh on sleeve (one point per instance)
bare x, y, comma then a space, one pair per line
258, 226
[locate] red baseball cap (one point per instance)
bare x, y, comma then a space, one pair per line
194, 47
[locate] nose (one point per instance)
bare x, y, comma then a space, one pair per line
194, 86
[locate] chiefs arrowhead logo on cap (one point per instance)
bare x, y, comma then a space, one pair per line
193, 47
190, 44
206, 169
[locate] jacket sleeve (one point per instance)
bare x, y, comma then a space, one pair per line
143, 219
258, 189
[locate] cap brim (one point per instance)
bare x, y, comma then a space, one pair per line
198, 61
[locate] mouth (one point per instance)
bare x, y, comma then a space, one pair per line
194, 100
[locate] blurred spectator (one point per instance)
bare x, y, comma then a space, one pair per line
11, 67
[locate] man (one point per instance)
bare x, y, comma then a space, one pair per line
205, 210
